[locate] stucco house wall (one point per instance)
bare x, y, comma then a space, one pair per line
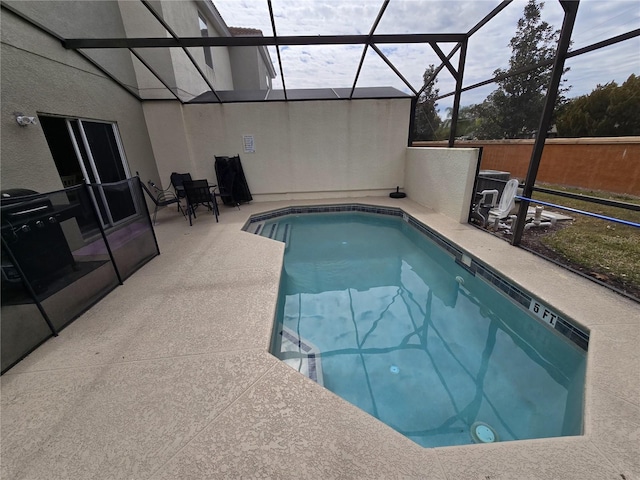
41, 77
244, 61
137, 21
249, 69
183, 18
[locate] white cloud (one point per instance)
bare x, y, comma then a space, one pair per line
336, 66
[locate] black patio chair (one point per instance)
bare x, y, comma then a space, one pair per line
177, 180
198, 192
162, 198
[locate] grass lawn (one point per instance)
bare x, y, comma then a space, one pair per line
606, 250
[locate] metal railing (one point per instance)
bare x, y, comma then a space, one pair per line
582, 212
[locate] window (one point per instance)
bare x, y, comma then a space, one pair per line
204, 32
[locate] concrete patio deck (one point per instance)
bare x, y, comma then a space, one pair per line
169, 377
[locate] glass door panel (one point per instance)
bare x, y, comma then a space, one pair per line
88, 170
109, 167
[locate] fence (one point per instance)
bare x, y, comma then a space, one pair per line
62, 252
607, 164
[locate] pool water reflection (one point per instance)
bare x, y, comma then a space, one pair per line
386, 319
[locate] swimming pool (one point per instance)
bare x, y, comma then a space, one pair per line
417, 334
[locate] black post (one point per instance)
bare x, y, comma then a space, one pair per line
570, 12
456, 99
366, 45
412, 120
275, 36
146, 209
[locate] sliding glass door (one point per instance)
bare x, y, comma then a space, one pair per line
91, 151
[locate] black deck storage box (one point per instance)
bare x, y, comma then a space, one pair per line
231, 181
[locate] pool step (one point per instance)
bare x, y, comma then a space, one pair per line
283, 233
302, 355
258, 228
276, 231
271, 231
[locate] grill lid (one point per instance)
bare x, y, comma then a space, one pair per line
14, 195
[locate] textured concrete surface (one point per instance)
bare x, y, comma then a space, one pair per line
169, 377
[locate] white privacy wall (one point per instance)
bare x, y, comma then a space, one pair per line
311, 149
442, 179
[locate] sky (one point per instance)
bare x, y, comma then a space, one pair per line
488, 50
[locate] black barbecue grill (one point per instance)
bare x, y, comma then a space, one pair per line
31, 231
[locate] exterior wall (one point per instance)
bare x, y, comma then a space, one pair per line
309, 149
245, 62
608, 164
183, 18
222, 77
442, 179
266, 80
169, 140
173, 65
39, 76
249, 69
101, 19
138, 21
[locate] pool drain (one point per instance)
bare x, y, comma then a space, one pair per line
483, 433
393, 369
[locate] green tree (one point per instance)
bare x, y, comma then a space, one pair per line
608, 111
466, 126
427, 120
514, 109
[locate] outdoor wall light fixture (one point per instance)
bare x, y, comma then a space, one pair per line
23, 120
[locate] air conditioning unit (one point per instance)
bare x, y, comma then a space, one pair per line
492, 180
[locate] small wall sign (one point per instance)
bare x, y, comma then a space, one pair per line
543, 313
249, 144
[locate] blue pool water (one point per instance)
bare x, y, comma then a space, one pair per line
387, 320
